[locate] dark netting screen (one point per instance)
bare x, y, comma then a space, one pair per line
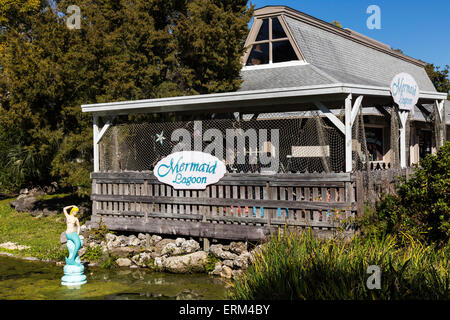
273, 142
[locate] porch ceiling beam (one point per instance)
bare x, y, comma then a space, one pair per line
338, 123
384, 112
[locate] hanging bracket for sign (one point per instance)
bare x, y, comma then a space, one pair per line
405, 91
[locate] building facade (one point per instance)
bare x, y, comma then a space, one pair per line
302, 139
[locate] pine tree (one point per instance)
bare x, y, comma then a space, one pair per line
124, 50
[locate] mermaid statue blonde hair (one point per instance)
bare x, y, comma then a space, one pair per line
74, 210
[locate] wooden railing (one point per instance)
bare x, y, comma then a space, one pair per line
379, 165
373, 184
239, 206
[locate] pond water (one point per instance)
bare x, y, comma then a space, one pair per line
32, 280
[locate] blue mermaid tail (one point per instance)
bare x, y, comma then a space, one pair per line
73, 270
74, 244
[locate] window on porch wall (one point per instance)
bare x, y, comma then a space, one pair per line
425, 139
375, 146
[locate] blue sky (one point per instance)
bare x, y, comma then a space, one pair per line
420, 28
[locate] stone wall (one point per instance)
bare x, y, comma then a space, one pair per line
178, 255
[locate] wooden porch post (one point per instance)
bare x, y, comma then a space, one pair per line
440, 108
403, 115
97, 137
351, 112
96, 150
348, 134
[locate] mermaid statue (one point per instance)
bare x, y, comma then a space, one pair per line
74, 269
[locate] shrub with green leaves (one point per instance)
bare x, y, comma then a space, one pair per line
93, 254
210, 263
422, 204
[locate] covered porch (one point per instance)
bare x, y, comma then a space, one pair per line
322, 154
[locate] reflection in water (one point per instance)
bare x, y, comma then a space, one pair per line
38, 280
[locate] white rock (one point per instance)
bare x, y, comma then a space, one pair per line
158, 262
156, 239
123, 240
238, 247
132, 238
217, 269
216, 250
190, 246
134, 242
226, 272
110, 237
141, 259
228, 263
13, 246
228, 255
193, 262
113, 244
141, 236
123, 262
179, 241
135, 259
93, 245
171, 249
242, 261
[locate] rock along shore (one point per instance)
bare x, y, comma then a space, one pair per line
178, 255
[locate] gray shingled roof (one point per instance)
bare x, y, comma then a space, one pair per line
283, 77
351, 62
339, 60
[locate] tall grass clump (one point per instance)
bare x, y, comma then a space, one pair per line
293, 265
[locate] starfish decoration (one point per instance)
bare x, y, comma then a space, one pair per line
160, 137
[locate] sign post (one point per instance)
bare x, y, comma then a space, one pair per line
405, 92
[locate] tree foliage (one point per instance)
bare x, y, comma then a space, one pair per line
421, 207
125, 50
439, 77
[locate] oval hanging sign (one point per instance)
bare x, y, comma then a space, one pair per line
189, 170
405, 91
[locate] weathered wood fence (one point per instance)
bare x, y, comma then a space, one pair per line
372, 184
238, 207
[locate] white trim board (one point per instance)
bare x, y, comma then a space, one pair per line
292, 63
188, 103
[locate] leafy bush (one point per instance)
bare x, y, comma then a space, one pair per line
93, 254
300, 266
210, 263
108, 263
100, 232
422, 204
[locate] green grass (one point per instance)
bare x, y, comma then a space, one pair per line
41, 234
299, 266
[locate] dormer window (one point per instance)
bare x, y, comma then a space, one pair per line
271, 43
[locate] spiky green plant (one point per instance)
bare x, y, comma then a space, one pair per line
300, 266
